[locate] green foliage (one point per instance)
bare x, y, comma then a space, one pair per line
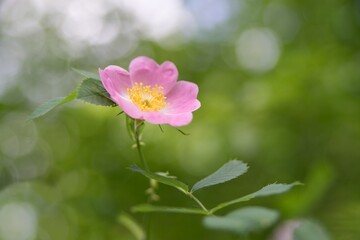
227, 172
241, 221
163, 179
244, 220
51, 104
92, 91
132, 225
285, 122
272, 189
309, 230
275, 188
151, 208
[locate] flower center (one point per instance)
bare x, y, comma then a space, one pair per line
147, 98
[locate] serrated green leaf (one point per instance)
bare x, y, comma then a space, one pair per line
92, 91
163, 179
309, 230
272, 189
87, 74
164, 209
132, 225
243, 221
227, 172
51, 104
275, 188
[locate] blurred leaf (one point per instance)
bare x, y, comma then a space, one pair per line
321, 176
51, 104
243, 221
133, 226
87, 74
228, 171
272, 189
163, 179
152, 208
92, 91
309, 230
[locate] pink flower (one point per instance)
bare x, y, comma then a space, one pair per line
150, 92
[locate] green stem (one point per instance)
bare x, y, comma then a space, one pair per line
136, 130
138, 145
226, 204
146, 221
198, 202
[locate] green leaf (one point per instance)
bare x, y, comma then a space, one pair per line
132, 225
87, 74
228, 171
272, 189
243, 221
92, 91
163, 179
309, 230
275, 188
152, 208
51, 104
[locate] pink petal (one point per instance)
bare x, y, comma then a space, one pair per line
147, 71
143, 69
182, 98
127, 106
115, 81
167, 76
175, 120
106, 81
119, 78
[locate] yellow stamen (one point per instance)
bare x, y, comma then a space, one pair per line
147, 98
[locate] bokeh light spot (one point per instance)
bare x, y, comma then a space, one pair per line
18, 221
258, 50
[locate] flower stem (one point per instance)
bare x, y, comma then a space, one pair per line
137, 126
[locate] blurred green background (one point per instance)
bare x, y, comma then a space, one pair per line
280, 89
